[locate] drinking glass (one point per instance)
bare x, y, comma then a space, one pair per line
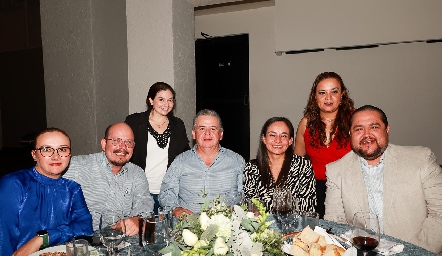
232, 198
251, 207
77, 247
310, 219
147, 225
283, 207
365, 234
165, 218
112, 230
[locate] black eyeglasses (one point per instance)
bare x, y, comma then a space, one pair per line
118, 141
49, 151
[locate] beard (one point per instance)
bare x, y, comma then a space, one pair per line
380, 149
120, 162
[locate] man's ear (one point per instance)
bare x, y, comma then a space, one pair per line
103, 144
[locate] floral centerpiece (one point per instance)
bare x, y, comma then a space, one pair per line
221, 230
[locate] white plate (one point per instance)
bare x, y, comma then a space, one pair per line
57, 248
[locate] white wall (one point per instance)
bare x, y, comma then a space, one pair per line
404, 80
304, 24
161, 47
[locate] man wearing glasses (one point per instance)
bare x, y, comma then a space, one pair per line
110, 182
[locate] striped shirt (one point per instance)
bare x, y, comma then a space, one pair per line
188, 177
127, 191
374, 183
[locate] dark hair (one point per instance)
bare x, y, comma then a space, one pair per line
154, 89
46, 130
371, 108
316, 126
262, 157
207, 112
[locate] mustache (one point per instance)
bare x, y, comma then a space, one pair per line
368, 138
117, 151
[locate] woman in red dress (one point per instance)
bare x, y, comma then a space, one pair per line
323, 132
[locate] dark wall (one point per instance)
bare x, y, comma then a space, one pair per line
22, 89
23, 107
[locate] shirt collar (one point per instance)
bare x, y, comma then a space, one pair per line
365, 163
109, 166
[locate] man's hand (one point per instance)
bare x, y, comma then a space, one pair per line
178, 211
131, 225
31, 246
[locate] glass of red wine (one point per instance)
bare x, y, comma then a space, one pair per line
365, 234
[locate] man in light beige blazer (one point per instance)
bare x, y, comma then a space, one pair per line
402, 185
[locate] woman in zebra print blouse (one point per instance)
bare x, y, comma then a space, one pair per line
276, 166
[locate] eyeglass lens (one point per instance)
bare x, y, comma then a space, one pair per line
48, 151
118, 141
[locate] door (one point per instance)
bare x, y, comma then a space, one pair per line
222, 84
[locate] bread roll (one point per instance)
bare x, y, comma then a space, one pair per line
309, 236
331, 250
315, 250
297, 251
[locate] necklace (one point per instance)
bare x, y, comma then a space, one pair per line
159, 125
329, 120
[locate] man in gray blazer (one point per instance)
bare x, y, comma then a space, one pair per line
402, 185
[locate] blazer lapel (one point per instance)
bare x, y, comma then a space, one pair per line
391, 171
360, 196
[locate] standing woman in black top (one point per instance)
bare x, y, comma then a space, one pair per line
159, 136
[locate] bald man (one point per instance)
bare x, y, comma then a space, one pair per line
110, 182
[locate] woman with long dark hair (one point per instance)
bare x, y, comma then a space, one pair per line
159, 136
323, 132
276, 166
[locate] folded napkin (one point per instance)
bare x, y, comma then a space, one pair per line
328, 238
385, 247
123, 244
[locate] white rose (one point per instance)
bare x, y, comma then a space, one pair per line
253, 236
224, 225
189, 238
250, 215
220, 247
204, 220
200, 243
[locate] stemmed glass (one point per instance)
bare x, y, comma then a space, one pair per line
232, 198
282, 206
165, 217
112, 230
365, 234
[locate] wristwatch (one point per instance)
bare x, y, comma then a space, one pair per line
43, 234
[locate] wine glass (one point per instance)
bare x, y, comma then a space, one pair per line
165, 217
365, 234
282, 206
232, 198
112, 230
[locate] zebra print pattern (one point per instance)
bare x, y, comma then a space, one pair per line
301, 182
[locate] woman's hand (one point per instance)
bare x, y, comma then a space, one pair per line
31, 246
